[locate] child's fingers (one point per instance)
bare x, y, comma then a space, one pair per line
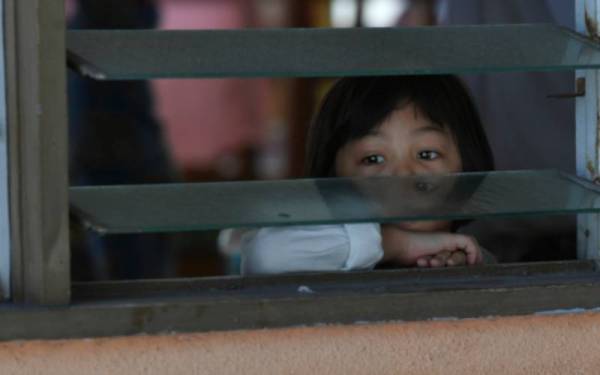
457, 258
470, 247
439, 260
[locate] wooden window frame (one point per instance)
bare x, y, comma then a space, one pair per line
37, 130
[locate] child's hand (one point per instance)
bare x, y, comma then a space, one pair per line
444, 259
437, 249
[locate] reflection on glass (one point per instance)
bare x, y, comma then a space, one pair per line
180, 207
134, 54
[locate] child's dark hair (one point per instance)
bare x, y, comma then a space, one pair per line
356, 105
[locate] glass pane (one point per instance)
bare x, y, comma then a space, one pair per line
181, 207
135, 54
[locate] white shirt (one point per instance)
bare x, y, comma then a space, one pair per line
341, 247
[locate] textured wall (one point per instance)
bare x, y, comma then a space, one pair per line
562, 344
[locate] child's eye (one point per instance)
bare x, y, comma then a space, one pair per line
373, 159
428, 155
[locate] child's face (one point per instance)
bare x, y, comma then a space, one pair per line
406, 143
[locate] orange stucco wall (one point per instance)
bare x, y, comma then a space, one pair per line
560, 344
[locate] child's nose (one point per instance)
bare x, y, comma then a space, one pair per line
405, 168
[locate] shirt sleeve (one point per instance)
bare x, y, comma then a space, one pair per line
341, 247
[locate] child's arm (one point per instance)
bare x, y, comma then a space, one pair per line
311, 248
413, 248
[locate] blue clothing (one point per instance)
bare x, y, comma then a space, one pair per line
514, 106
115, 138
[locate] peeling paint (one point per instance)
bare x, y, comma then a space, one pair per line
591, 26
305, 289
593, 174
590, 167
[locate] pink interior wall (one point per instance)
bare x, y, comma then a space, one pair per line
562, 344
206, 118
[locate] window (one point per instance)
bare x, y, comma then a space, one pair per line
41, 271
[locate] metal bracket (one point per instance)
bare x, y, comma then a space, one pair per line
579, 87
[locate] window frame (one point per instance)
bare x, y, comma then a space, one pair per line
38, 147
106, 309
587, 137
42, 306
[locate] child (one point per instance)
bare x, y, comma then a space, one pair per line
381, 126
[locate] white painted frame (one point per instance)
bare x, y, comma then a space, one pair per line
587, 138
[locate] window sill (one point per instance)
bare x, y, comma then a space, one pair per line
231, 303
